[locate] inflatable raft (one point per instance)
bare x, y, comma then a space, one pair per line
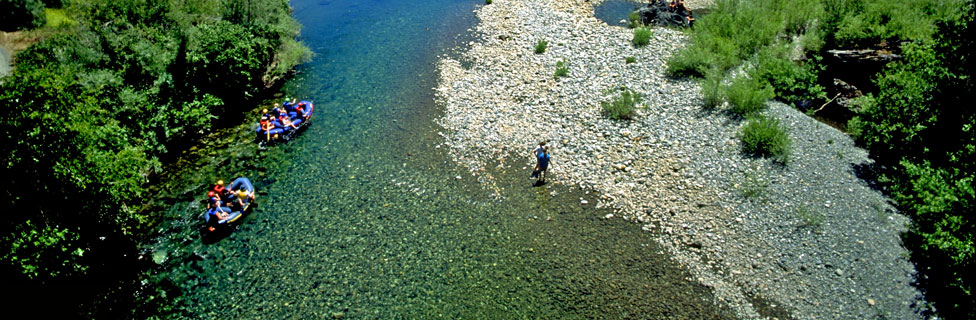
231, 206
271, 127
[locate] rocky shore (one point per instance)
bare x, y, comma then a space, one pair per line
809, 239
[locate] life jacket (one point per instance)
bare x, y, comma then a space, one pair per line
543, 160
218, 188
214, 202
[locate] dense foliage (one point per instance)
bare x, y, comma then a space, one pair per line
21, 14
91, 112
765, 137
918, 123
921, 125
748, 95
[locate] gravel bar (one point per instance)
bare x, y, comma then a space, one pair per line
808, 240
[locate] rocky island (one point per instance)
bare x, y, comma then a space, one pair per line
809, 239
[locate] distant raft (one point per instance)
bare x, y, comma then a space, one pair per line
274, 128
234, 210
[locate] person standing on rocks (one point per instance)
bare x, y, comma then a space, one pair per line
538, 150
541, 165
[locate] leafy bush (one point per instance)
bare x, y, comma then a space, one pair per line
737, 29
94, 108
792, 82
918, 126
868, 22
748, 95
713, 91
487, 1
561, 70
43, 252
623, 105
712, 52
540, 47
21, 14
57, 17
765, 137
634, 20
630, 59
642, 36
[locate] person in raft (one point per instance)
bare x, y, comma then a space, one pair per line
221, 191
300, 110
240, 196
286, 121
215, 206
541, 165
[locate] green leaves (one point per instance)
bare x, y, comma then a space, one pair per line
642, 36
622, 106
748, 95
765, 137
43, 252
21, 14
91, 108
540, 47
561, 70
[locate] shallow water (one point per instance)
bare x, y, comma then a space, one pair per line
364, 216
612, 12
4, 62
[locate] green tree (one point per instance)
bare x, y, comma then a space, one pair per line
89, 110
21, 14
920, 126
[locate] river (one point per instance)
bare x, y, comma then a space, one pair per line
364, 216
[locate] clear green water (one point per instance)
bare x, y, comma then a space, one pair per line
362, 216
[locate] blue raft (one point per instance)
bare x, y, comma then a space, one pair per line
235, 213
299, 113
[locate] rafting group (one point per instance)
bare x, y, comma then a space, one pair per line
283, 121
228, 203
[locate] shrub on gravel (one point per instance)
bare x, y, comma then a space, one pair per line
630, 59
622, 107
713, 90
540, 47
487, 1
561, 70
792, 81
635, 19
765, 137
642, 36
748, 95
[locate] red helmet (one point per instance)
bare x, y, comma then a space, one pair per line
210, 194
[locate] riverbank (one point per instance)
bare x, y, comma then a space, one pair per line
10, 44
810, 239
